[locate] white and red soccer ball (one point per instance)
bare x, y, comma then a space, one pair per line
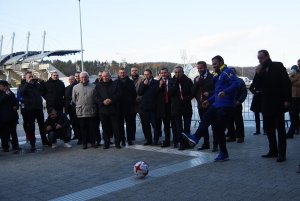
141, 169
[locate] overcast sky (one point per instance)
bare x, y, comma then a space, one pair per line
157, 30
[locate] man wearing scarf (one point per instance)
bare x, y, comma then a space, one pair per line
276, 97
222, 105
181, 108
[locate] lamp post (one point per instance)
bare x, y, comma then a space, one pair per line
82, 69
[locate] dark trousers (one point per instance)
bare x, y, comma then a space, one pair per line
33, 115
206, 132
150, 120
88, 129
166, 120
273, 122
110, 124
130, 123
294, 116
63, 134
236, 123
257, 121
7, 130
218, 117
74, 122
98, 133
25, 124
133, 119
182, 127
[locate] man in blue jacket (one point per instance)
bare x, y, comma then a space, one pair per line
222, 104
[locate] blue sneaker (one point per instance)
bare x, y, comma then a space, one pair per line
190, 139
221, 157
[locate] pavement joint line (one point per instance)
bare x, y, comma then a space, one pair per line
188, 152
101, 190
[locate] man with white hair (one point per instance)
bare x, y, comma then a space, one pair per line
84, 98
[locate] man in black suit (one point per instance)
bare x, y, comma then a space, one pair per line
126, 106
276, 97
163, 111
202, 90
149, 90
181, 108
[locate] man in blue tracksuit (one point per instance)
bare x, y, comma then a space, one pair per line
223, 102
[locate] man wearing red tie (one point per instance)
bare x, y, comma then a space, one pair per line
163, 111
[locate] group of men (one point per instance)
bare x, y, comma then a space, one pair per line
166, 100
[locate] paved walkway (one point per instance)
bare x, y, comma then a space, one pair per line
97, 174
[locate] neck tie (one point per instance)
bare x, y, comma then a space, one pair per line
181, 96
166, 92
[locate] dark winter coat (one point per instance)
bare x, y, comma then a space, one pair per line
162, 106
255, 89
32, 95
149, 94
242, 91
108, 90
275, 86
203, 84
61, 119
54, 95
7, 102
128, 95
137, 82
68, 97
182, 105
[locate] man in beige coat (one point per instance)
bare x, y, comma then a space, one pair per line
295, 105
83, 96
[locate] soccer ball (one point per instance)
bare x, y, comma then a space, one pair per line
141, 169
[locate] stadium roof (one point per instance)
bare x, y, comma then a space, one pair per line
49, 54
31, 56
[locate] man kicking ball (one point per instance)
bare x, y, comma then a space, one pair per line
223, 102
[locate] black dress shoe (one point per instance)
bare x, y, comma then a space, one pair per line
130, 143
240, 140
123, 143
148, 143
165, 144
215, 148
281, 159
84, 146
256, 133
175, 145
269, 155
118, 147
181, 147
204, 146
106, 146
230, 139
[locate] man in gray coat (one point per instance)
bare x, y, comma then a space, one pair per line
83, 96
